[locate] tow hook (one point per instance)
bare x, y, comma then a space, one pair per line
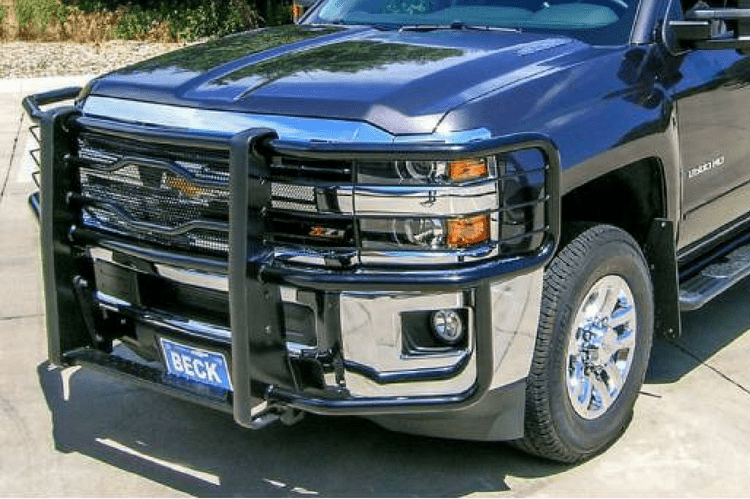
265, 414
291, 416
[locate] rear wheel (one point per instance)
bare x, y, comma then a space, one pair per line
593, 344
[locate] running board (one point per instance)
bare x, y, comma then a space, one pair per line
715, 278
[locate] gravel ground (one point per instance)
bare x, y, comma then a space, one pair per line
28, 59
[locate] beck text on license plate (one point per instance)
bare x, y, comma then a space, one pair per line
196, 364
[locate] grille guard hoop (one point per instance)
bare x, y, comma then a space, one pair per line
258, 349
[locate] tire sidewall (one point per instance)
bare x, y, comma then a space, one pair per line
620, 257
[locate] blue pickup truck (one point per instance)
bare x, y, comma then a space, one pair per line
457, 218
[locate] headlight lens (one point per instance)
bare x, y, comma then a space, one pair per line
425, 234
430, 212
427, 172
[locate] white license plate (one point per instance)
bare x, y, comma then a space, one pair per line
196, 364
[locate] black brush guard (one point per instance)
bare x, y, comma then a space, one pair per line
264, 384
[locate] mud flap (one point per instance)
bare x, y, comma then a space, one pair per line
660, 254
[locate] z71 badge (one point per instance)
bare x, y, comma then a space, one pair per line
709, 165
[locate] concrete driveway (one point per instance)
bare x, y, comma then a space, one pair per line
78, 433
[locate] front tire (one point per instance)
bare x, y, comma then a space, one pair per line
592, 348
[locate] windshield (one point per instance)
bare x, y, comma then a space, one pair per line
599, 22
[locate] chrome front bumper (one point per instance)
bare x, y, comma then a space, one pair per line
371, 332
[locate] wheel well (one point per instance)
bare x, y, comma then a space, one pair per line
629, 197
633, 198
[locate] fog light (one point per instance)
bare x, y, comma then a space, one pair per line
448, 326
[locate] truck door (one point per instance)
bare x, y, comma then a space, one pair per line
713, 109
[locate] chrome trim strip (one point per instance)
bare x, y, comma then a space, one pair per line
232, 122
216, 282
460, 137
425, 200
288, 127
157, 319
383, 257
194, 278
314, 257
395, 200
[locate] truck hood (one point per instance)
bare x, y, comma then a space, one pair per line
402, 82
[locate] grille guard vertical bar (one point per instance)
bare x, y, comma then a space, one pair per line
259, 355
66, 329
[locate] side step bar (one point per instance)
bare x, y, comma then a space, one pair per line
728, 266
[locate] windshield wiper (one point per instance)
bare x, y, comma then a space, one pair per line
456, 25
377, 26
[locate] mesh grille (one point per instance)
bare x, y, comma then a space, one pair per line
200, 240
152, 195
128, 184
131, 187
293, 197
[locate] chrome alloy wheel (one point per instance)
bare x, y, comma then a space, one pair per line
601, 346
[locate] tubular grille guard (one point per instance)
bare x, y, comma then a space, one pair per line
295, 211
258, 353
390, 278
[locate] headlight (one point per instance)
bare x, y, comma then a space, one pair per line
429, 211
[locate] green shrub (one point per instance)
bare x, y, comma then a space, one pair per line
156, 20
188, 20
36, 15
279, 14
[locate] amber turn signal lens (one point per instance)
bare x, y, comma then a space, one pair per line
467, 169
463, 232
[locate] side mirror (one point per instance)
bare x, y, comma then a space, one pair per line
723, 28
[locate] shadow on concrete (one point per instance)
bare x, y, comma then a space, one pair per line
704, 333
202, 452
